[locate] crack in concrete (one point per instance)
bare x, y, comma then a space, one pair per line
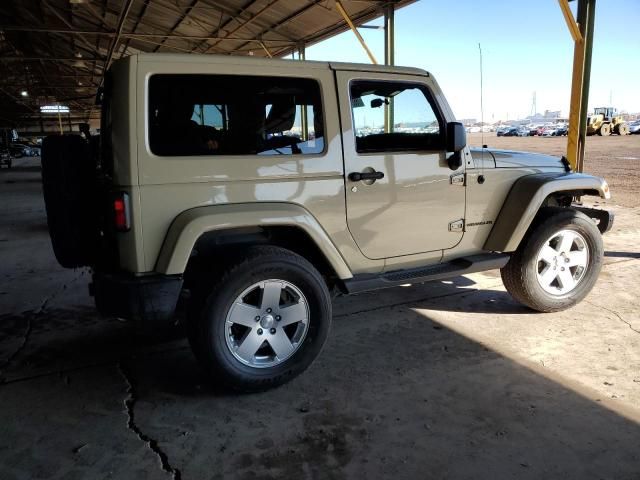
26, 335
628, 324
31, 316
79, 368
151, 443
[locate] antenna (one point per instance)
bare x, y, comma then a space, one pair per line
481, 114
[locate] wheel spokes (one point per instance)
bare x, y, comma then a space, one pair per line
280, 343
293, 314
271, 295
243, 314
567, 282
250, 344
259, 331
548, 275
548, 254
566, 242
577, 258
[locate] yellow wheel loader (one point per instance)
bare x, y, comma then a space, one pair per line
605, 121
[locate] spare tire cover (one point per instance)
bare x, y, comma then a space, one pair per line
69, 186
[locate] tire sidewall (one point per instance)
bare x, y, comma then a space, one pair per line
579, 224
214, 350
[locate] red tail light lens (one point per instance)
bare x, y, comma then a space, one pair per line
122, 217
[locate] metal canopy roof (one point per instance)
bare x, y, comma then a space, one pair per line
57, 50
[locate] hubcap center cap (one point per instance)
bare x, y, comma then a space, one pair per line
267, 321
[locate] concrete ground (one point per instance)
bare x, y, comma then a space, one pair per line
443, 380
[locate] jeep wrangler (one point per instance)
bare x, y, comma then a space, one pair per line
252, 189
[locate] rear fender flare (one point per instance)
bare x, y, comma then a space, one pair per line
191, 224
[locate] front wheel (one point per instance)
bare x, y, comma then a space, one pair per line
557, 263
264, 322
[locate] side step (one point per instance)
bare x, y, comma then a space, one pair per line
441, 271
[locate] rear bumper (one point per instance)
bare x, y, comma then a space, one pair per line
148, 299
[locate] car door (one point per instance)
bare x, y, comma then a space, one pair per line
402, 198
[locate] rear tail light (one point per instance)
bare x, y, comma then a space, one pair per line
121, 210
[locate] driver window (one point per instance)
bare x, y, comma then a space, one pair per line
389, 116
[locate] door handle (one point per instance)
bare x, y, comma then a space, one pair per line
359, 176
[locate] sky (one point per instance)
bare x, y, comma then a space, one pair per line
526, 48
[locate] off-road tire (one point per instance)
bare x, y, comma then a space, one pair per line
211, 304
68, 183
520, 274
623, 129
605, 130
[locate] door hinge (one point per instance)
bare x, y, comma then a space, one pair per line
458, 179
456, 225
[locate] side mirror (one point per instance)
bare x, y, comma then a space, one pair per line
378, 102
456, 137
456, 141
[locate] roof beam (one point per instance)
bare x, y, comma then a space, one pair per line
178, 22
247, 22
285, 20
126, 6
16, 28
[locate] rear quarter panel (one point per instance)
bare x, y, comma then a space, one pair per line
171, 185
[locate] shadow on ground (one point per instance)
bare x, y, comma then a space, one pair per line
393, 394
622, 254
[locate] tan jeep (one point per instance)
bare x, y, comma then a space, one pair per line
254, 188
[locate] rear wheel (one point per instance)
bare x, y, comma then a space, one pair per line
605, 130
264, 322
557, 263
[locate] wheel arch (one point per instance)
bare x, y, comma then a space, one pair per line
532, 192
286, 225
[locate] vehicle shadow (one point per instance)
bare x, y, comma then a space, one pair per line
394, 393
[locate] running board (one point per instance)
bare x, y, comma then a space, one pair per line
441, 271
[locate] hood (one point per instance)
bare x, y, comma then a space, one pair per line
512, 159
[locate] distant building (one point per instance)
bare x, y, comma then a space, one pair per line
547, 116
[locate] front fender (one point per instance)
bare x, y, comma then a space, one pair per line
527, 196
191, 224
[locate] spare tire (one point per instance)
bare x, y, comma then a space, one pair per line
69, 186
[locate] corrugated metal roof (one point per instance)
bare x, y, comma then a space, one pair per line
57, 50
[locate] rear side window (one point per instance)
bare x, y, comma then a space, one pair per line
234, 115
394, 117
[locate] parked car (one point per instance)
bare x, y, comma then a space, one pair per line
5, 157
516, 132
562, 130
634, 127
259, 229
549, 132
20, 150
510, 132
500, 131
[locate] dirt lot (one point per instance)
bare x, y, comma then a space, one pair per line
443, 380
615, 158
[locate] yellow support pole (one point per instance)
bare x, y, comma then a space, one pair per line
582, 34
353, 28
573, 135
574, 29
